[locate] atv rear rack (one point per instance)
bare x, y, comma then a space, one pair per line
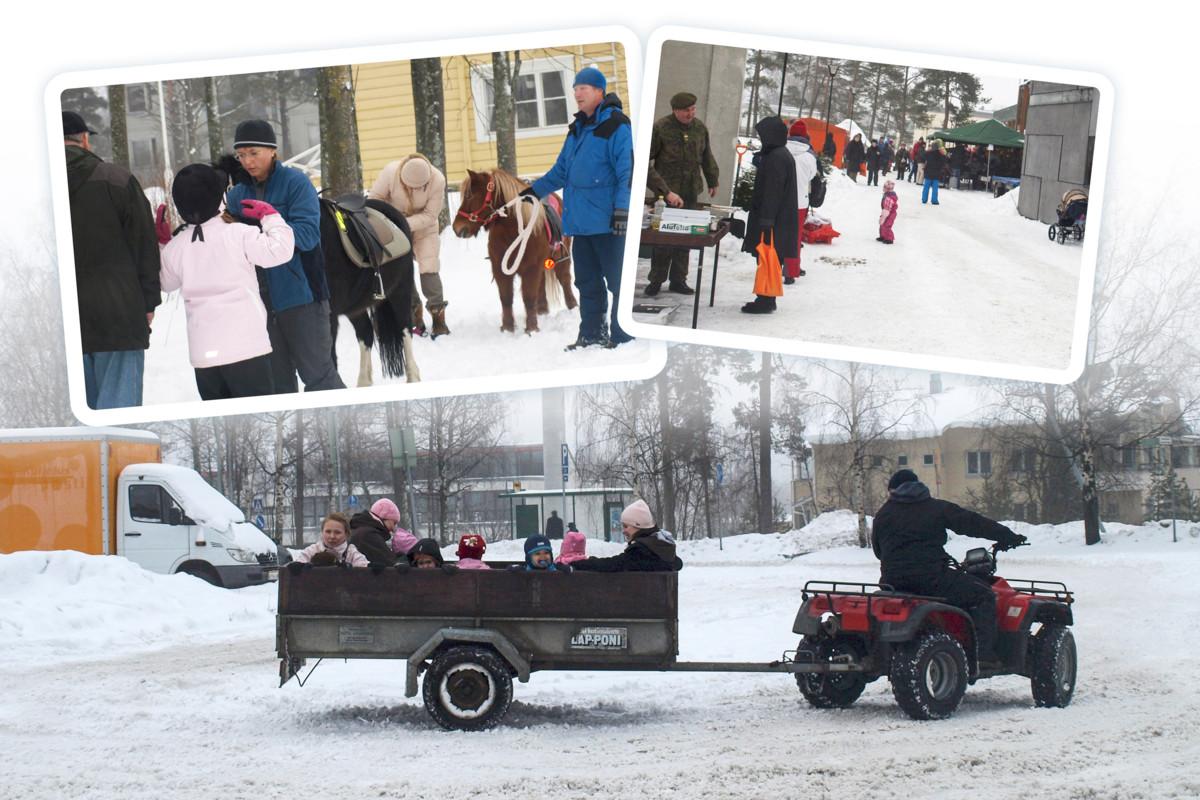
1048, 590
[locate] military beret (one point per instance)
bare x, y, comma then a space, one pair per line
683, 100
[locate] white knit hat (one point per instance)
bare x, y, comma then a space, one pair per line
637, 514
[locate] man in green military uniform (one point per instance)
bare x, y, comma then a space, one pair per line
681, 164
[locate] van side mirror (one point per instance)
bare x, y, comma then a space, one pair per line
174, 516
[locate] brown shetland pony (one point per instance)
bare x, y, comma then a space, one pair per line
483, 198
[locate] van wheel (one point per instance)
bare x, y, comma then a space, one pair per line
1054, 662
831, 689
929, 675
467, 688
204, 572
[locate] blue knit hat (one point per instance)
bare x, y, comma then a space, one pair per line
590, 76
535, 543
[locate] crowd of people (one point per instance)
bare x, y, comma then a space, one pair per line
375, 538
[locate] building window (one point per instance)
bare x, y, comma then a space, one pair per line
1129, 458
901, 461
539, 94
136, 99
927, 459
876, 461
143, 152
979, 462
1022, 460
1019, 512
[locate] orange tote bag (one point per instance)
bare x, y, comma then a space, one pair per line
768, 281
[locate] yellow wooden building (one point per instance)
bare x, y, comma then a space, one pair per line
544, 101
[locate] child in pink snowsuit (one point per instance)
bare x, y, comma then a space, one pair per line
887, 216
574, 547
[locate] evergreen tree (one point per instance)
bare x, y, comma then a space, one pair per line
955, 94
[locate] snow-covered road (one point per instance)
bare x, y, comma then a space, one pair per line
197, 720
968, 278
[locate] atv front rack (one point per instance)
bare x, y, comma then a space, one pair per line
1048, 590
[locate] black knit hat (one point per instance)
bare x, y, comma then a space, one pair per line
197, 191
254, 133
902, 476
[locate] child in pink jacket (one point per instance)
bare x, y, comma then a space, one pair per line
212, 261
471, 548
574, 547
887, 215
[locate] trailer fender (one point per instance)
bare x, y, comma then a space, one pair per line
475, 635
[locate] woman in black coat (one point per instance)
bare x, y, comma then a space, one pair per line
774, 203
854, 156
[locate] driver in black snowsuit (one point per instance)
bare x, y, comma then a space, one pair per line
908, 534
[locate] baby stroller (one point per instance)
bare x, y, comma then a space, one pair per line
1072, 214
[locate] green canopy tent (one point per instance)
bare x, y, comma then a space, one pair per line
987, 132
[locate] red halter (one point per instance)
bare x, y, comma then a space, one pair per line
478, 216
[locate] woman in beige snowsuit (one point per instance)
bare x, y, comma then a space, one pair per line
417, 189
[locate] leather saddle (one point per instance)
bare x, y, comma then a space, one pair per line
369, 238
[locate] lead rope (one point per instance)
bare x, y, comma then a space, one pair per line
525, 228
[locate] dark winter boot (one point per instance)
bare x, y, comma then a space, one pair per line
439, 322
597, 340
652, 288
680, 287
761, 305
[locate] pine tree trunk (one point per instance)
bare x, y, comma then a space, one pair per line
212, 114
429, 95
118, 125
852, 94
299, 491
504, 114
903, 107
752, 110
766, 511
946, 116
340, 169
860, 485
668, 457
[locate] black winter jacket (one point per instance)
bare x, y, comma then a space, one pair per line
935, 164
774, 203
910, 529
855, 153
371, 538
650, 551
116, 254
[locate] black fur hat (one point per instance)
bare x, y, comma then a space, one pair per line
197, 191
902, 476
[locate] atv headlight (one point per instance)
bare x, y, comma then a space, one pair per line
244, 556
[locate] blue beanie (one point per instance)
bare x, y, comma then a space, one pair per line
535, 543
590, 76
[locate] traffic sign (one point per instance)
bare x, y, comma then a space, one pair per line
720, 473
353, 501
566, 464
261, 522
257, 505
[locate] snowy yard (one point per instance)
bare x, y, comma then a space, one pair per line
476, 347
968, 278
124, 684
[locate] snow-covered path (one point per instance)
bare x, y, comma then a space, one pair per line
968, 278
196, 720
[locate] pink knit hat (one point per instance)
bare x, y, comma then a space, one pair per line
574, 548
385, 509
637, 514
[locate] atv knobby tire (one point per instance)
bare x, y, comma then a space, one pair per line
467, 688
830, 689
1053, 663
929, 675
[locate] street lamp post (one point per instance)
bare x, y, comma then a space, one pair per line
829, 103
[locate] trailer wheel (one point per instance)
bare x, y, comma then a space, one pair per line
1053, 665
929, 675
467, 688
831, 689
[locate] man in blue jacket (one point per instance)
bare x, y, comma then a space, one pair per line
296, 293
595, 171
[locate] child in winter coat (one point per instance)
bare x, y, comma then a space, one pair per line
539, 555
335, 536
471, 548
402, 541
212, 261
887, 216
574, 547
426, 554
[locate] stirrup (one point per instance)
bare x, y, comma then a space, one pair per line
380, 294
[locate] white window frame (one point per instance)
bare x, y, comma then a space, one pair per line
481, 96
979, 454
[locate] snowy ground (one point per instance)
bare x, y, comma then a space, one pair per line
121, 684
476, 347
968, 278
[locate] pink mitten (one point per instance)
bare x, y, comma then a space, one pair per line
257, 209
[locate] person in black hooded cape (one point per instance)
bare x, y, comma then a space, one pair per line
773, 204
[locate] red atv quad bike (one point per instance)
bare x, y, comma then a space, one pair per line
926, 647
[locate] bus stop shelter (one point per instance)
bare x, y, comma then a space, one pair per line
596, 512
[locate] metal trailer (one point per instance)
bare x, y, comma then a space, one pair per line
471, 631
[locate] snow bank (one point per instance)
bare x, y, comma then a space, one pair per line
60, 606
